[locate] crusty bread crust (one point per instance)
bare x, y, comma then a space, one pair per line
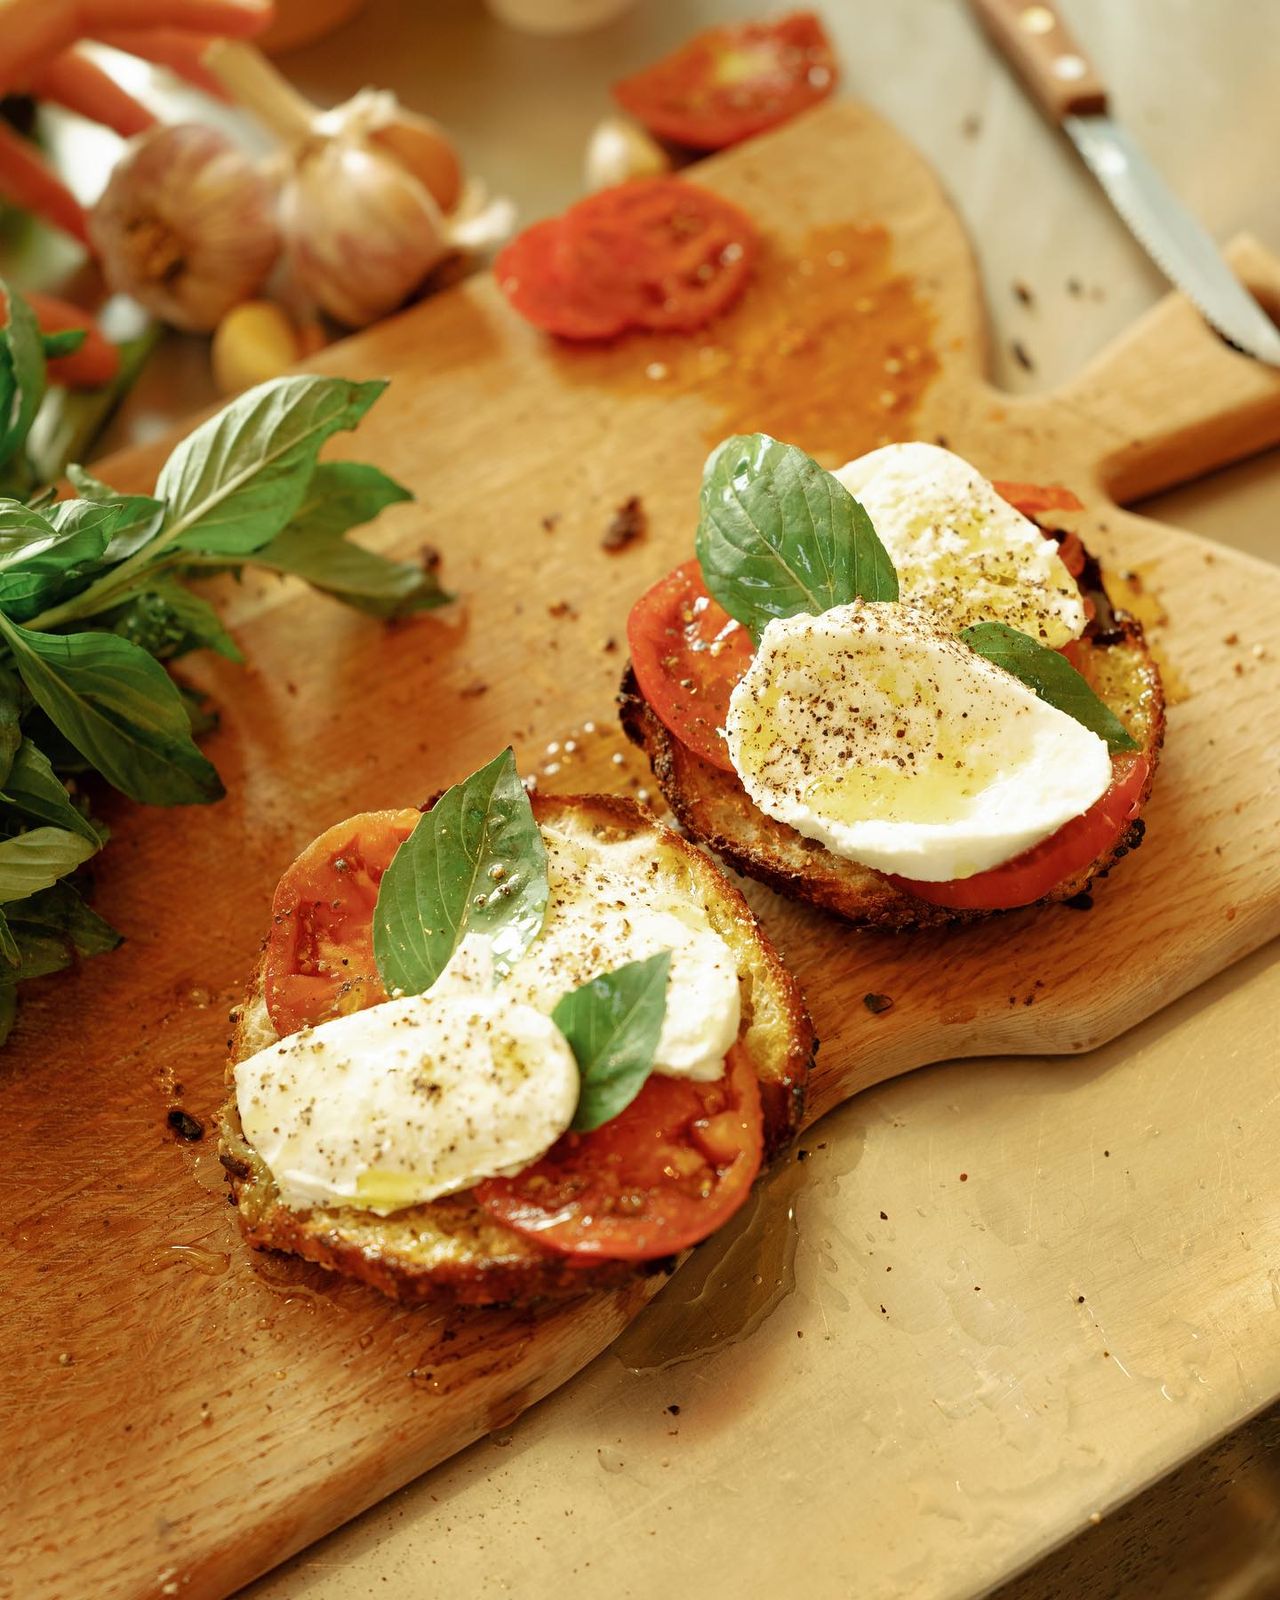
450, 1250
712, 806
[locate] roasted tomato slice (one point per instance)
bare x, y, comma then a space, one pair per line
1034, 499
674, 254
1030, 876
688, 654
733, 81
666, 1172
319, 958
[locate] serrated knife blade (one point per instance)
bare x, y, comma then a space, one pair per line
1171, 236
1066, 86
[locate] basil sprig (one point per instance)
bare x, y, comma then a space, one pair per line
613, 1024
313, 544
778, 535
1051, 676
475, 863
94, 597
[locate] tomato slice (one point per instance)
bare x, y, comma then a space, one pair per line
319, 957
1034, 498
666, 1172
1035, 872
531, 272
688, 653
652, 253
675, 253
663, 1174
730, 82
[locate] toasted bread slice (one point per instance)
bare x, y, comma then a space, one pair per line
452, 1250
712, 806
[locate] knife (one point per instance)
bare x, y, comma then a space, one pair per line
1064, 83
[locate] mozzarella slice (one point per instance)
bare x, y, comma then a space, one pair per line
610, 905
961, 551
873, 730
408, 1100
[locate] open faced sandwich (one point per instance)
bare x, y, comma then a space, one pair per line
888, 691
507, 1048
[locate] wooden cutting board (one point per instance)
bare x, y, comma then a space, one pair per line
180, 1414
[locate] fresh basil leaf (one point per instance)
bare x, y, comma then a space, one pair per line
86, 485
41, 565
33, 861
202, 715
10, 732
166, 619
22, 374
89, 523
36, 955
119, 708
63, 343
1051, 676
234, 483
358, 577
136, 520
341, 496
476, 863
61, 911
37, 791
778, 535
50, 929
613, 1024
22, 529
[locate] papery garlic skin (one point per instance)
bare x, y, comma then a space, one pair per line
421, 146
481, 221
619, 149
186, 225
360, 233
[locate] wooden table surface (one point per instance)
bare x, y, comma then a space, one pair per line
953, 1483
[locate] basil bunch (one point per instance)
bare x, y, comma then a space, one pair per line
93, 599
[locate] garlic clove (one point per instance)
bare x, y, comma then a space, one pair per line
619, 149
253, 342
420, 145
481, 222
422, 149
361, 233
186, 225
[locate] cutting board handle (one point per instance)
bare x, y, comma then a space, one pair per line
1171, 401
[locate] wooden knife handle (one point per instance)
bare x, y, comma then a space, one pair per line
1036, 43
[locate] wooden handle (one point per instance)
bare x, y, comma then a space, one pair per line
1170, 400
1035, 41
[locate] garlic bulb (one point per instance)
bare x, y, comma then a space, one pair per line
363, 189
186, 225
360, 233
618, 150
